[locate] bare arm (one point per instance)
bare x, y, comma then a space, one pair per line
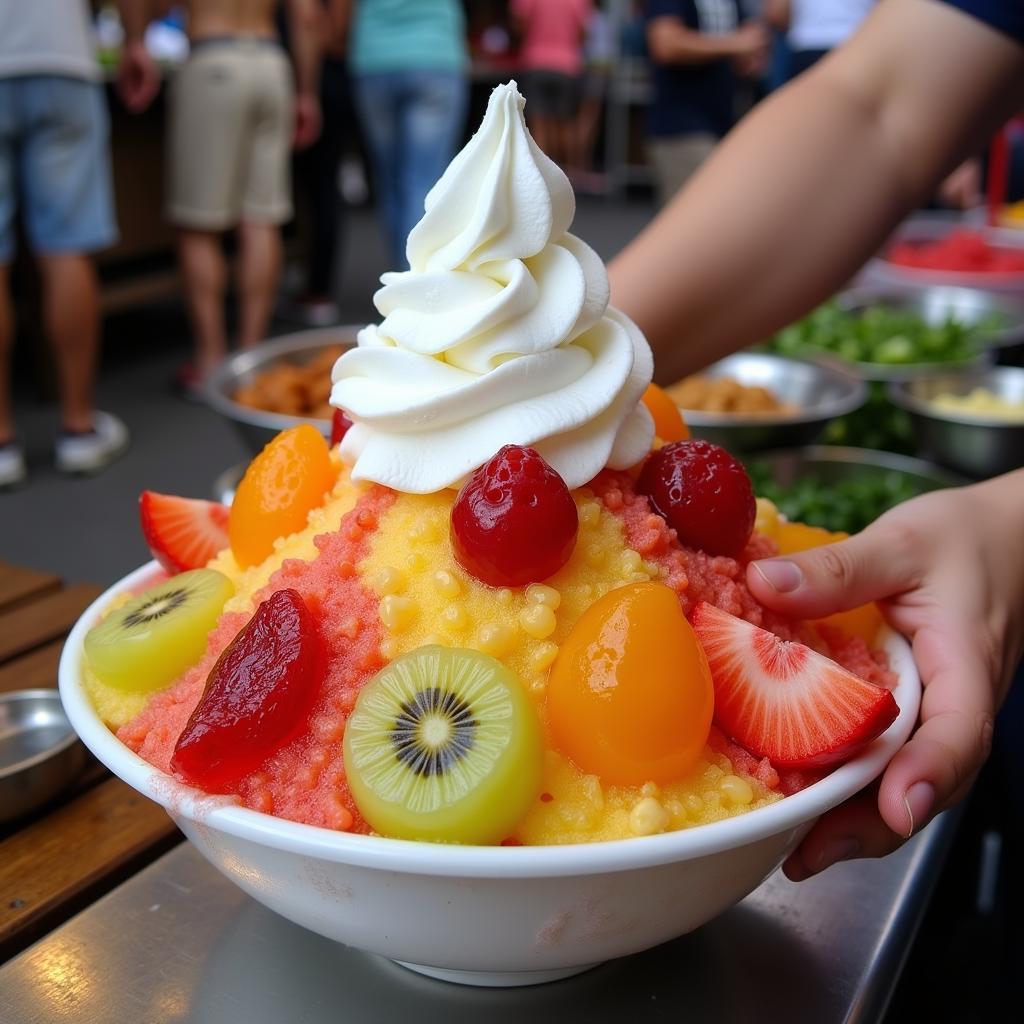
669, 41
138, 78
304, 36
777, 14
809, 185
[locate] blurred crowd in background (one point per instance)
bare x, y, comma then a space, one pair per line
273, 112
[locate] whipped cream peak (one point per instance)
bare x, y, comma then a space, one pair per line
499, 333
501, 197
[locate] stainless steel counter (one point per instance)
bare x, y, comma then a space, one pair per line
179, 943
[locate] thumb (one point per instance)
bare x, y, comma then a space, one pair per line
879, 562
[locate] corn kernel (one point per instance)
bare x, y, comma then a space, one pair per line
397, 612
595, 555
423, 532
639, 577
455, 616
388, 648
446, 584
538, 620
694, 804
736, 790
592, 792
648, 817
496, 638
589, 512
389, 580
649, 789
543, 655
631, 561
538, 686
415, 562
538, 593
503, 595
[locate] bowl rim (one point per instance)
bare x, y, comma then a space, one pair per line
854, 399
900, 394
867, 293
214, 391
52, 695
873, 458
449, 860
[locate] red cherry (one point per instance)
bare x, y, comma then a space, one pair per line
703, 493
258, 696
514, 522
340, 424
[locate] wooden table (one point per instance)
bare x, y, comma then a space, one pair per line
58, 860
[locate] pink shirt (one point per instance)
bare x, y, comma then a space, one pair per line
553, 33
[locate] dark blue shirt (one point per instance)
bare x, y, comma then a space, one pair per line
690, 98
1005, 15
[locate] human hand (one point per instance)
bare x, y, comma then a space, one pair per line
947, 570
138, 77
750, 46
961, 189
307, 120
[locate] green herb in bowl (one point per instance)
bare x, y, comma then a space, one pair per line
879, 335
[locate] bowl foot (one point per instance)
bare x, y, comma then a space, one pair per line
496, 979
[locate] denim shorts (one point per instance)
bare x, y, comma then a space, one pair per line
55, 161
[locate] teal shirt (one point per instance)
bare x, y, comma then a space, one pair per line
408, 35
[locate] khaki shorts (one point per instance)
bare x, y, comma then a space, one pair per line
675, 159
229, 153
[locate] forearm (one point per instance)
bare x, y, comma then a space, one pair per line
305, 41
807, 187
135, 16
680, 45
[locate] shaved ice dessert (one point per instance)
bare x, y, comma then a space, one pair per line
506, 604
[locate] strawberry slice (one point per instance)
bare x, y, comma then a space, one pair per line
783, 701
183, 533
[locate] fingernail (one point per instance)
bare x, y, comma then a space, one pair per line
836, 850
780, 575
918, 801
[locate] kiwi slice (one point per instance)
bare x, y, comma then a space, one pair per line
147, 643
444, 744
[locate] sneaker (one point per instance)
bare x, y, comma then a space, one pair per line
91, 452
12, 465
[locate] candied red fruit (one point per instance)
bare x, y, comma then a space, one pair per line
258, 696
703, 493
340, 425
514, 521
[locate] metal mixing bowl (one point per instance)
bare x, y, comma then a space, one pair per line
831, 464
820, 393
39, 752
932, 227
255, 426
972, 443
935, 304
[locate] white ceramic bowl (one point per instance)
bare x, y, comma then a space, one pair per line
486, 915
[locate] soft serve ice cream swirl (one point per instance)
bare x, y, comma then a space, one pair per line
500, 333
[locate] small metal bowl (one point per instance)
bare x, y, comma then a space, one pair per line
256, 427
820, 393
932, 227
971, 443
936, 304
833, 463
40, 754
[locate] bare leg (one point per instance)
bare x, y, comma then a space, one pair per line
259, 269
71, 312
204, 277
